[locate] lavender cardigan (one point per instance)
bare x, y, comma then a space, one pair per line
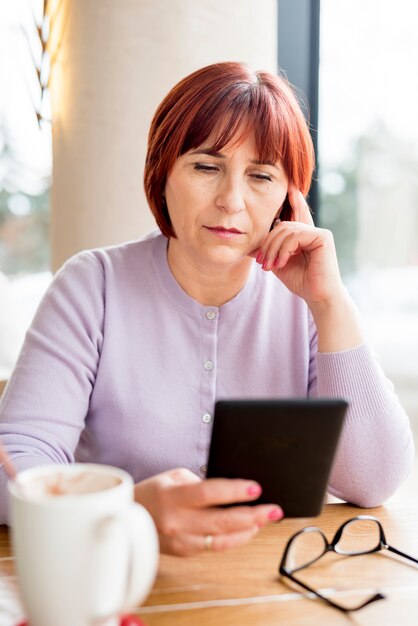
121, 366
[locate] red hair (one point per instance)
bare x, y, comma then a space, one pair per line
234, 100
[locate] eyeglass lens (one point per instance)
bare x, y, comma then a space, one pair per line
305, 548
359, 536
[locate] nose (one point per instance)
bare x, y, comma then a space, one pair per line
230, 195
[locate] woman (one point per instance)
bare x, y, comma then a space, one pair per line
133, 344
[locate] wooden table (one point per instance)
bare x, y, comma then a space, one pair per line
241, 587
3, 384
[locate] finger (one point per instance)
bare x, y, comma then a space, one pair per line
301, 242
271, 248
300, 209
239, 518
234, 519
290, 247
180, 476
291, 239
287, 232
216, 491
256, 252
188, 544
233, 540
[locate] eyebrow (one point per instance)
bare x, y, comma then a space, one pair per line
219, 155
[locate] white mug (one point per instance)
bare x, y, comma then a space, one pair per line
82, 558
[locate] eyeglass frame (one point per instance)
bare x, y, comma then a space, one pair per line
331, 547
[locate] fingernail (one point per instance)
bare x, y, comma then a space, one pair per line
259, 258
254, 490
276, 514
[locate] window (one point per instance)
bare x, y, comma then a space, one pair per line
368, 181
25, 173
367, 148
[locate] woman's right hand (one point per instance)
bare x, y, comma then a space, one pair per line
187, 509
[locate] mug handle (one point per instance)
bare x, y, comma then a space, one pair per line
129, 542
144, 554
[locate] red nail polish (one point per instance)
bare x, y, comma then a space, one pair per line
254, 490
259, 258
275, 514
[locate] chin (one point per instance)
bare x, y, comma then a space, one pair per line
223, 255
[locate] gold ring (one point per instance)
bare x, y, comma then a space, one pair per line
208, 543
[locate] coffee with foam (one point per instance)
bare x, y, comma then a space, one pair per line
65, 484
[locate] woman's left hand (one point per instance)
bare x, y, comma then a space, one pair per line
302, 256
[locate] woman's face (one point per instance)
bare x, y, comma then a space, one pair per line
222, 205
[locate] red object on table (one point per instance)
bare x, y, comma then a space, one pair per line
125, 620
129, 620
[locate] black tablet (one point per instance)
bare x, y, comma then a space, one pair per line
288, 446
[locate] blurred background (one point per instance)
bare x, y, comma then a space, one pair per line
80, 79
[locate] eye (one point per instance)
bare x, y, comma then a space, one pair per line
261, 177
200, 167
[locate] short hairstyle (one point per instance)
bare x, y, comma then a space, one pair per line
233, 100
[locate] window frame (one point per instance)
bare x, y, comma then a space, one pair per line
298, 57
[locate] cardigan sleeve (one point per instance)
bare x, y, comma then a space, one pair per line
46, 400
376, 450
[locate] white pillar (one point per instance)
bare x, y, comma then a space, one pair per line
114, 64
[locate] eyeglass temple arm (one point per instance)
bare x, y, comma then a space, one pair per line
377, 596
406, 556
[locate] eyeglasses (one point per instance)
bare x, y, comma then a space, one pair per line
360, 535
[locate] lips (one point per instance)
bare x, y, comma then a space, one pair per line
225, 230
